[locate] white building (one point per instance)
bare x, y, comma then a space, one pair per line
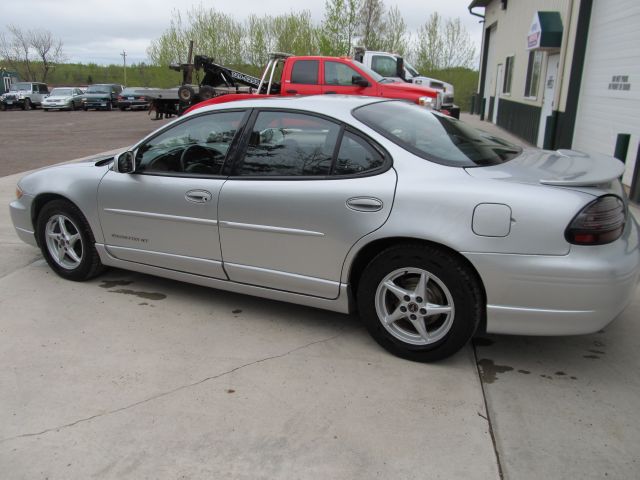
564, 74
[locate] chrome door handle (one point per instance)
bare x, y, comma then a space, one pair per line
365, 204
198, 196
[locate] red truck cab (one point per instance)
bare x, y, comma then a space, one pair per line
313, 75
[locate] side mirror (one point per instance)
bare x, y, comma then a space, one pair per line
359, 81
400, 68
126, 162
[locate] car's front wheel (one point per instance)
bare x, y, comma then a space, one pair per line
420, 302
67, 242
27, 104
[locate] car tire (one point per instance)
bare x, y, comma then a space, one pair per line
45, 109
27, 104
109, 106
66, 241
186, 94
86, 109
3, 107
420, 302
206, 93
122, 109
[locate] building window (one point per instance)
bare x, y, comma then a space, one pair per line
508, 74
533, 74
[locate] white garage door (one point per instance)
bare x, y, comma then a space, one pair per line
610, 93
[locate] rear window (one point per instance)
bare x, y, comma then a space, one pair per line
435, 137
305, 72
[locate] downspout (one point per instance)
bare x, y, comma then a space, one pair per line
478, 93
561, 70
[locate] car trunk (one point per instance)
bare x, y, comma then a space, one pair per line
594, 174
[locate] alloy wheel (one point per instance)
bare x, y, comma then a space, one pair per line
414, 306
64, 242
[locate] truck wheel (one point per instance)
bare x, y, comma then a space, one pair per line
419, 302
207, 93
3, 107
186, 93
67, 242
27, 104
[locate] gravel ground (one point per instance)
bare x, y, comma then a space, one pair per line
59, 136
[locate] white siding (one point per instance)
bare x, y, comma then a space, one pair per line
511, 40
612, 49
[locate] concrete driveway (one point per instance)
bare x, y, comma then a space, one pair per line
130, 376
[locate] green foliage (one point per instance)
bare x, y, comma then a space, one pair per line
339, 27
464, 81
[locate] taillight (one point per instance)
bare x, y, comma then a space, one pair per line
120, 98
601, 221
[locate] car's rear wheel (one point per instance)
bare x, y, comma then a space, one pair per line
109, 106
420, 302
27, 104
67, 242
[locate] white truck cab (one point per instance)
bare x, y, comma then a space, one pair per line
394, 67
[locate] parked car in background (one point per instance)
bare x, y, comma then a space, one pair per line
102, 96
429, 228
24, 95
63, 98
134, 98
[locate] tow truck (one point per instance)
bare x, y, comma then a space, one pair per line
288, 75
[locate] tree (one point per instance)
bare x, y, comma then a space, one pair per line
294, 33
444, 45
395, 37
48, 50
371, 25
339, 27
457, 48
31, 53
429, 48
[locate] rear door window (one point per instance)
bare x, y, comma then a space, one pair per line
356, 155
289, 144
305, 72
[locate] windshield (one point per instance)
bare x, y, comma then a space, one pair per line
99, 89
412, 71
376, 76
435, 137
20, 87
62, 92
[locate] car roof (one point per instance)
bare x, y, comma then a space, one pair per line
338, 106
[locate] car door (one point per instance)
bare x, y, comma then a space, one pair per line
303, 78
301, 194
77, 97
337, 78
165, 213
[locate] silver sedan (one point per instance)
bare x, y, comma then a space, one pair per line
430, 229
63, 98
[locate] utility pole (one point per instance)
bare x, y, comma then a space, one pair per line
124, 60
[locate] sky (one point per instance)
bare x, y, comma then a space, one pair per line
98, 31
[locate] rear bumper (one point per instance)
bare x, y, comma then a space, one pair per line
577, 293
